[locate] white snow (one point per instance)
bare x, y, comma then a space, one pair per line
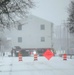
54, 66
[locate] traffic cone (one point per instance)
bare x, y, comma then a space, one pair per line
20, 56
64, 56
35, 57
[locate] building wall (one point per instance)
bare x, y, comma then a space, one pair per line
31, 34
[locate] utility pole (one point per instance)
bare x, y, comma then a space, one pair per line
67, 41
60, 37
0, 46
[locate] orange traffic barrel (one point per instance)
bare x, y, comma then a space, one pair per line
35, 57
20, 56
64, 56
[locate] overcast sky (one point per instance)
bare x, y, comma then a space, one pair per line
55, 11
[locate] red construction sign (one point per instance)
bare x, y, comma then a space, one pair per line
48, 54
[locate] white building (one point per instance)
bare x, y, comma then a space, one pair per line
36, 33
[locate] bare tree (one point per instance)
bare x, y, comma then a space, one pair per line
71, 17
12, 11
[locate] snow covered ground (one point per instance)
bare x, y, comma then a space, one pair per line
55, 66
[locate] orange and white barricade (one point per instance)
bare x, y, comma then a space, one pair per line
64, 56
20, 56
35, 57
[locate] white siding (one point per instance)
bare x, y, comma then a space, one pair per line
31, 34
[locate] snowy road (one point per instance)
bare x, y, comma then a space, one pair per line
55, 66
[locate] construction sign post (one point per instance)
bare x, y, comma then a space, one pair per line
48, 54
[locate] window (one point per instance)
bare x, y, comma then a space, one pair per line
19, 39
42, 27
19, 27
42, 39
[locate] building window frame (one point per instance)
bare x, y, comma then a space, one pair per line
42, 26
42, 39
19, 27
19, 39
